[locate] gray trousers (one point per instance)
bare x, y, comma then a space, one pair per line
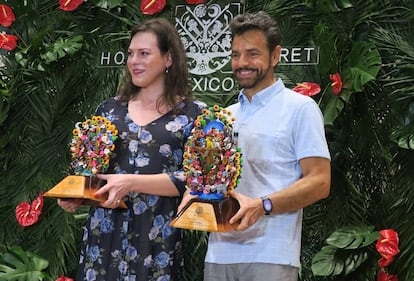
250, 272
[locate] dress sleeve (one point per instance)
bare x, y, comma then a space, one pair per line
178, 178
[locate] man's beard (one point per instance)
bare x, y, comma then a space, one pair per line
249, 83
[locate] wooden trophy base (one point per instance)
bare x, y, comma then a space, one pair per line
207, 215
80, 187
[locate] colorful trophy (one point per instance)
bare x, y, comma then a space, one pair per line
91, 147
212, 166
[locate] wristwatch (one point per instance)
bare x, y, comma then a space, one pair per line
267, 205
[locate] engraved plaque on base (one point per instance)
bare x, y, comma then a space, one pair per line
80, 187
207, 215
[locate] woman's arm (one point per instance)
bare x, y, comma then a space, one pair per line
118, 185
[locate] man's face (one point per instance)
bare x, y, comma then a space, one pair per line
252, 63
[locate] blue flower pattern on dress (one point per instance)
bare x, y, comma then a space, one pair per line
165, 150
93, 253
152, 200
177, 155
90, 275
164, 278
137, 244
167, 230
145, 136
107, 226
140, 207
162, 259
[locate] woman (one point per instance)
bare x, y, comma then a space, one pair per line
153, 114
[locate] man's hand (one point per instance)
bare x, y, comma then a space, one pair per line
249, 213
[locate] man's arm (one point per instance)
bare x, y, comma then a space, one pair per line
311, 187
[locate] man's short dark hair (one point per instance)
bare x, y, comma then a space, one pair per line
261, 21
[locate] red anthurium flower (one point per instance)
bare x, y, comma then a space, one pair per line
69, 5
387, 246
8, 42
150, 7
307, 88
383, 262
64, 278
195, 1
337, 83
6, 15
384, 276
28, 214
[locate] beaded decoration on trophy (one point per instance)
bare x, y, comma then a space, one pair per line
212, 166
212, 162
91, 147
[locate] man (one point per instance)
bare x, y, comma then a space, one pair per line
286, 163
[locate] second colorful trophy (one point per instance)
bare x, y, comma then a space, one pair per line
212, 166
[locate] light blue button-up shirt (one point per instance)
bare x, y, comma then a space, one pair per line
276, 129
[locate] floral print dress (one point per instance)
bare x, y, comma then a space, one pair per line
137, 243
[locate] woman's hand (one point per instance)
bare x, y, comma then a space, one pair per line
186, 198
70, 205
117, 186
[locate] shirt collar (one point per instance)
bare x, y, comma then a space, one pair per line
262, 97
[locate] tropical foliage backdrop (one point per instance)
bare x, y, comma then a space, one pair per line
50, 81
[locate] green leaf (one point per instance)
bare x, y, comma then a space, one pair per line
5, 95
328, 6
4, 109
18, 265
334, 105
325, 39
353, 261
62, 47
324, 262
404, 136
108, 4
332, 261
363, 66
21, 58
346, 251
353, 237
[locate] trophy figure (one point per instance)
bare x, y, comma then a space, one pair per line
91, 147
212, 166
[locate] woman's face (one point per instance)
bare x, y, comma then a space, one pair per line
145, 62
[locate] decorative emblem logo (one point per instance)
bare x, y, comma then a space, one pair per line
204, 30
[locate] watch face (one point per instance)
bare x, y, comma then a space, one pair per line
267, 205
